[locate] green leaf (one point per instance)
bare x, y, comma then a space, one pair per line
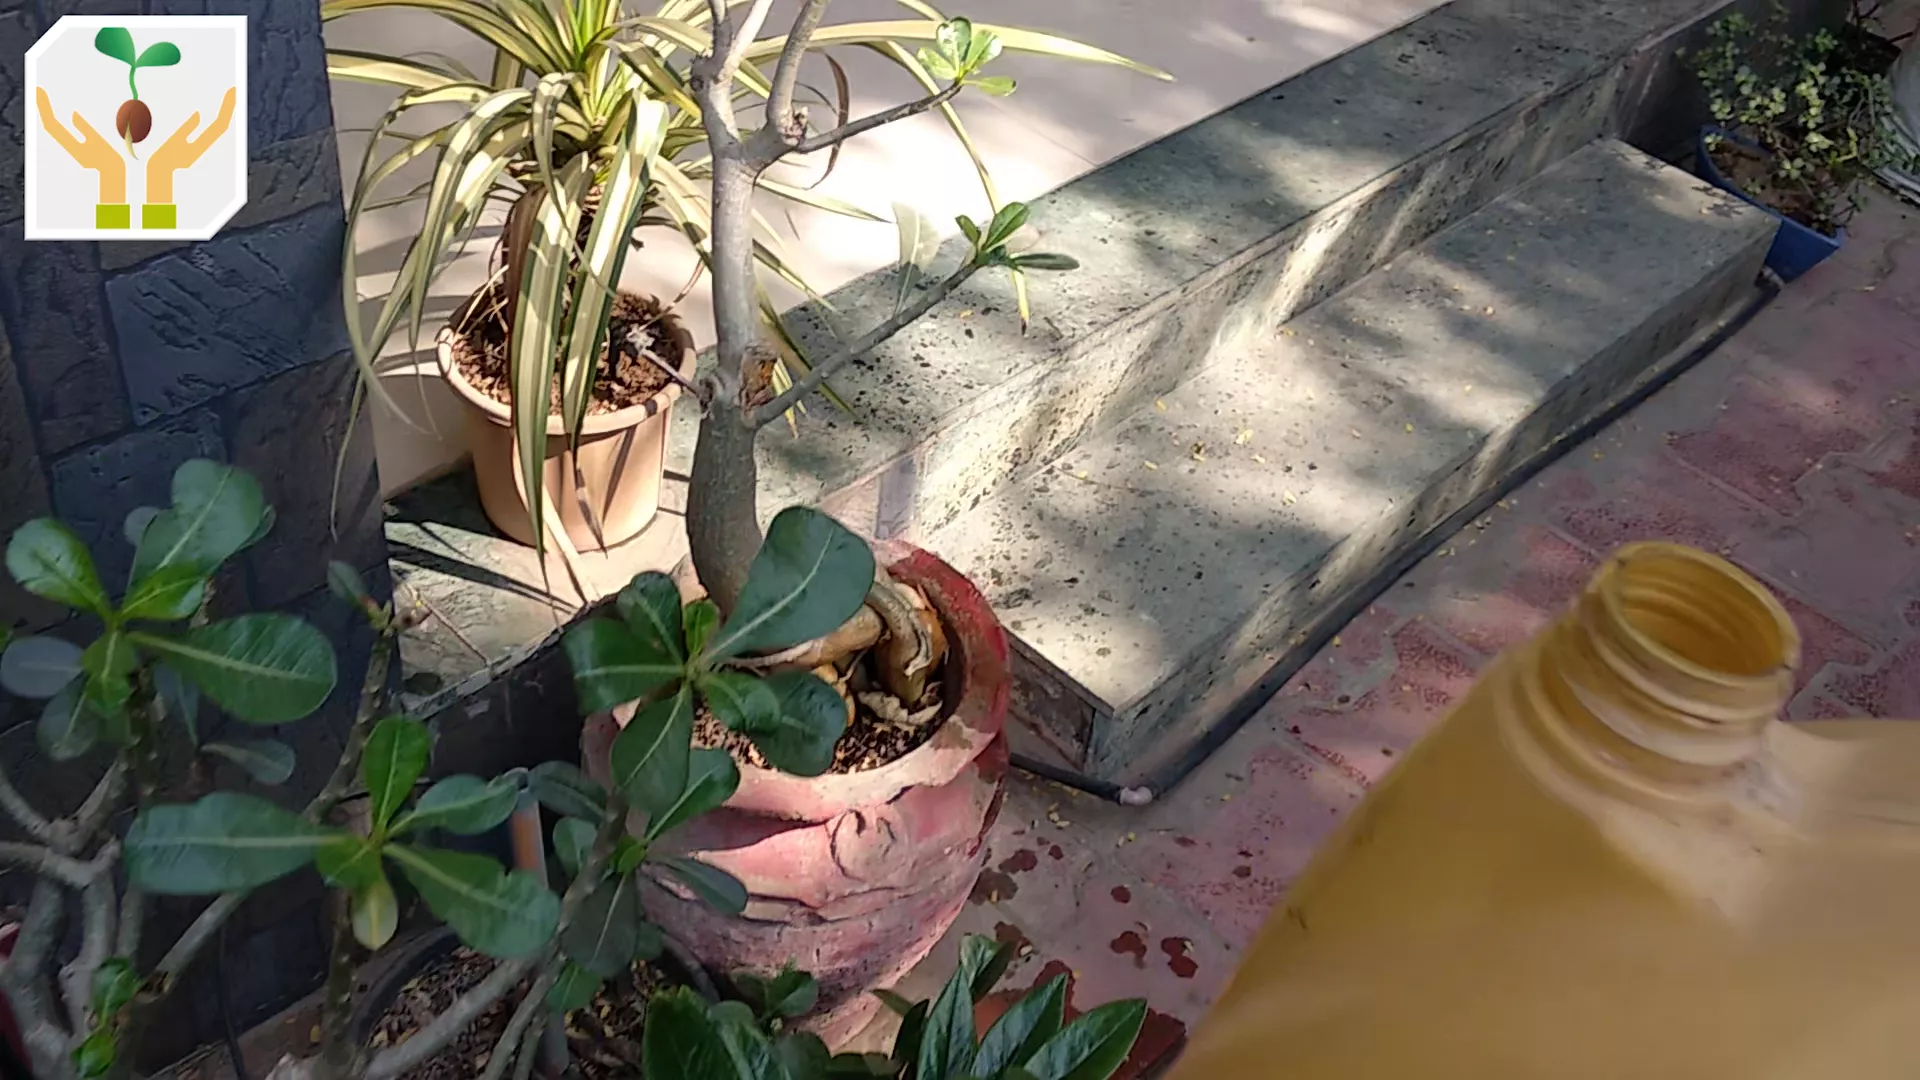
38, 667
751, 1050
715, 887
628, 854
109, 663
712, 778
810, 718
264, 668
1093, 1046
790, 993
1006, 222
990, 961
48, 560
116, 42
562, 788
969, 230
222, 843
1023, 1029
803, 1055
168, 594
613, 665
1045, 261
349, 861
604, 935
700, 619
503, 915
136, 522
180, 698
572, 840
997, 85
913, 1028
895, 1003
651, 755
69, 726
395, 756
810, 576
573, 988
95, 1055
946, 1046
681, 1041
159, 54
345, 583
466, 805
650, 606
374, 912
115, 983
216, 509
268, 761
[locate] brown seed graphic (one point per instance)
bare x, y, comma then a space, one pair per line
134, 121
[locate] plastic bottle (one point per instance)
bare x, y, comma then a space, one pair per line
1611, 860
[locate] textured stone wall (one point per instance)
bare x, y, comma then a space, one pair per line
119, 361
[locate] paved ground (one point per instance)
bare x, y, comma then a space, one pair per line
1794, 450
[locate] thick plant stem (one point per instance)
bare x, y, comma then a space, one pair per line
337, 1052
723, 524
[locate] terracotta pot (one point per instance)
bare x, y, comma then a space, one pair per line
621, 455
854, 877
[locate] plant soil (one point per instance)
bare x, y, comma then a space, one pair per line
880, 732
480, 352
603, 1038
429, 994
1751, 171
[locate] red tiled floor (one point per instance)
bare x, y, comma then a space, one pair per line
1794, 450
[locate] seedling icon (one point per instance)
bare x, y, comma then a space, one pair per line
134, 121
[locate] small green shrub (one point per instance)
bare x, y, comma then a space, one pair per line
1812, 121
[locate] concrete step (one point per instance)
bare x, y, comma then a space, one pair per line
1154, 573
1191, 246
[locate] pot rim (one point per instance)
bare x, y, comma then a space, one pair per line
596, 423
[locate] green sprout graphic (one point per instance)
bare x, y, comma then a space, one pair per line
134, 121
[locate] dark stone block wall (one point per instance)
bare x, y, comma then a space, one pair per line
119, 361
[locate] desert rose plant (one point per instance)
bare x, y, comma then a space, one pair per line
135, 694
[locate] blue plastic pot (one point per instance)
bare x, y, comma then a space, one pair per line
1796, 249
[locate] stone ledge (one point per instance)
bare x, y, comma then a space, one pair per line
1191, 245
1178, 554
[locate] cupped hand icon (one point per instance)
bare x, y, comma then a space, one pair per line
182, 149
90, 150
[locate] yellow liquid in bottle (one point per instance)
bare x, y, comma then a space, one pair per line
1610, 860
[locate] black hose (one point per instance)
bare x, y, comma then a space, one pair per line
1164, 779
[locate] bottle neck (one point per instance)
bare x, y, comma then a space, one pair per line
1665, 673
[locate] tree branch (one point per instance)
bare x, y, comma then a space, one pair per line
96, 944
47, 862
739, 40
786, 77
430, 1040
28, 995
22, 812
101, 802
773, 410
834, 137
513, 1043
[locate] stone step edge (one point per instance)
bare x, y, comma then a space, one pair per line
1231, 706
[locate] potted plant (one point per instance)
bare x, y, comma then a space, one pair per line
589, 124
877, 685
1796, 131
